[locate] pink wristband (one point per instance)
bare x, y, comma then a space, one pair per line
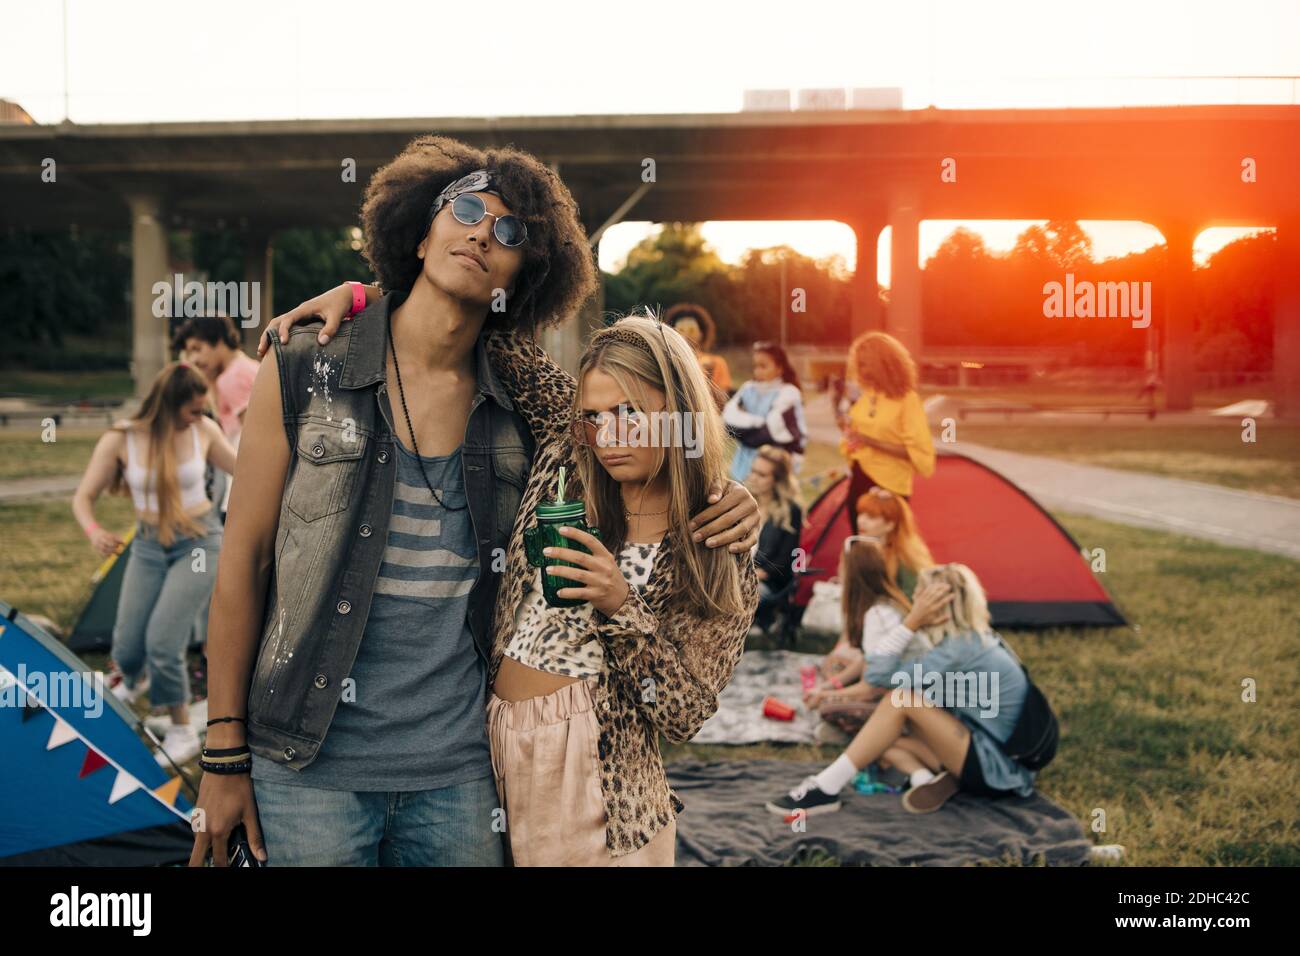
358, 298
91, 528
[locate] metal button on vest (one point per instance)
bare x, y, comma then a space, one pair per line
383, 457
289, 753
345, 607
321, 681
365, 531
318, 449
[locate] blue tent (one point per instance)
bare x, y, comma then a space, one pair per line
77, 785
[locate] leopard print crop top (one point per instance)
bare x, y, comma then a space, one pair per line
562, 640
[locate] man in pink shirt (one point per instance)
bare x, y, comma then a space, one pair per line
212, 344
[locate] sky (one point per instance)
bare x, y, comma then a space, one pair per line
131, 61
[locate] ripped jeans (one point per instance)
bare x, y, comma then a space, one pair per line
161, 589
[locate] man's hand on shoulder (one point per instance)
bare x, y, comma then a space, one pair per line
733, 519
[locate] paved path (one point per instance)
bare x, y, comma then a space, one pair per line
1239, 518
18, 489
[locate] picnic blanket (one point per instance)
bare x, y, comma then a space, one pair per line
740, 719
725, 823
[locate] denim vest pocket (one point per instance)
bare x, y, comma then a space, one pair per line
329, 460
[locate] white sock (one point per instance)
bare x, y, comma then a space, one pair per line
834, 778
921, 776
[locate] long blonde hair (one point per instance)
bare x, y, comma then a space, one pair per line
969, 606
785, 490
175, 386
640, 352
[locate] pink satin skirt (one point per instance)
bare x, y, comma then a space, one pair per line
546, 766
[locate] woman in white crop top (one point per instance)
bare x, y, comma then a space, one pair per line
160, 455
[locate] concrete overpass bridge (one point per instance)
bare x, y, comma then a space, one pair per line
1177, 168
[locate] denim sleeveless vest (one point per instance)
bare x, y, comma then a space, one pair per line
334, 515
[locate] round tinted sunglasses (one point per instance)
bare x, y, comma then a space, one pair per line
469, 209
611, 429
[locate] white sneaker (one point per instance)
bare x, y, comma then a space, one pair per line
115, 680
181, 744
198, 720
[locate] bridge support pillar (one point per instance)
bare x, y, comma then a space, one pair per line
564, 343
1179, 371
903, 317
149, 265
866, 314
257, 268
1286, 323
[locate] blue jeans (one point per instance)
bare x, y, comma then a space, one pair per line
311, 826
155, 610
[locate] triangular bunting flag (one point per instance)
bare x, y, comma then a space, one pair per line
123, 786
94, 760
31, 707
61, 733
167, 792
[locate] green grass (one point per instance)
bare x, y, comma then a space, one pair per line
1155, 731
1214, 454
45, 559
24, 454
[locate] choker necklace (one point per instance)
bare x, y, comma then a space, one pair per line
644, 514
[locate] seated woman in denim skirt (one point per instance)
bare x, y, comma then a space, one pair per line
949, 713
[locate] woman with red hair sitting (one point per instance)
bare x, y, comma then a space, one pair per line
885, 520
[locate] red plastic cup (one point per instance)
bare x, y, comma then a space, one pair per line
777, 710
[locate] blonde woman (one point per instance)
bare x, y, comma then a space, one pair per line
771, 481
886, 436
160, 454
581, 695
953, 726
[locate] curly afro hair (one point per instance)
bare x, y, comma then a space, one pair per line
689, 310
559, 270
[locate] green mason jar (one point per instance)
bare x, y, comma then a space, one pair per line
551, 517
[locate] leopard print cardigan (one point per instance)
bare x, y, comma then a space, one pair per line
664, 664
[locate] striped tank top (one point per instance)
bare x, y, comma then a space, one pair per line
412, 716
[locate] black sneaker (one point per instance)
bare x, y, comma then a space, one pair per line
807, 797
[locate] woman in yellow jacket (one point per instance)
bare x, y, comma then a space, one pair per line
886, 435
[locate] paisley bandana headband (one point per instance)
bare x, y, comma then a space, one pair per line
480, 180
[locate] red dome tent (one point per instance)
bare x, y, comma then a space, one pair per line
1032, 570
